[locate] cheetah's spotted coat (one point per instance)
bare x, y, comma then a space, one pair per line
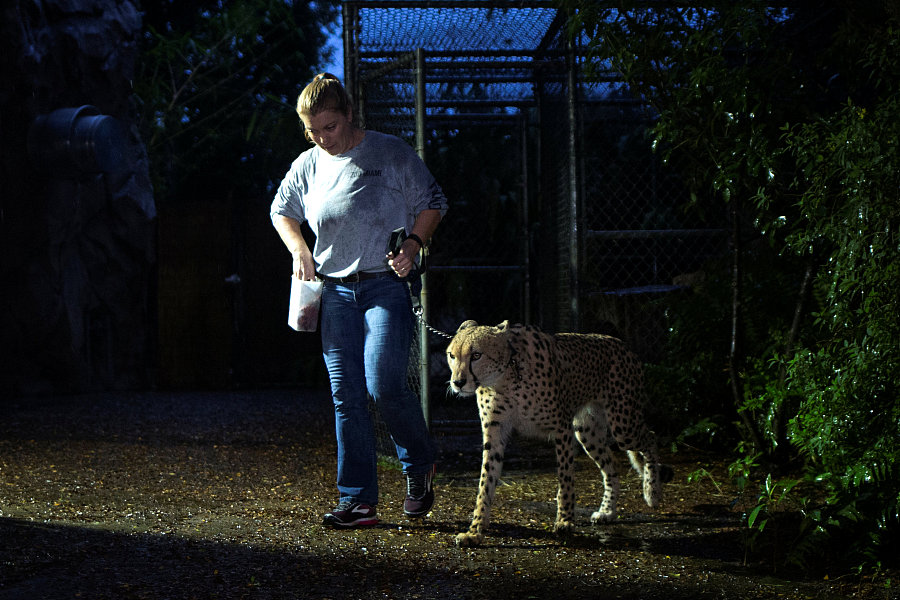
589, 386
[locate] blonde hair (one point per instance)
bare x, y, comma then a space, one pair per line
325, 92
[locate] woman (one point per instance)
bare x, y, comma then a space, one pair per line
354, 187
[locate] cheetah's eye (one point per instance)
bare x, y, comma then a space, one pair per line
475, 356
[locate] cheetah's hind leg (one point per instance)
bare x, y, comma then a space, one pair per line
652, 473
666, 474
591, 430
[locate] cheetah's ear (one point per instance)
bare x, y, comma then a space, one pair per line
467, 324
502, 326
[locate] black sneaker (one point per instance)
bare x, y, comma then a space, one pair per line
351, 514
419, 493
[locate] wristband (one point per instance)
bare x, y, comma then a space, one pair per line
416, 239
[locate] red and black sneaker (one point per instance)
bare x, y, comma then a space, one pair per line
419, 493
351, 514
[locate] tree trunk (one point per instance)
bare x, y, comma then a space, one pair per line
735, 357
778, 418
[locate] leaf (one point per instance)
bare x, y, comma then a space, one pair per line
751, 519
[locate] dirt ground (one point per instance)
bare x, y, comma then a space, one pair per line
221, 495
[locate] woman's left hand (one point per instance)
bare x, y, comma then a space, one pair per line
403, 263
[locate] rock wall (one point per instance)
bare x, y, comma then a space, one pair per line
77, 254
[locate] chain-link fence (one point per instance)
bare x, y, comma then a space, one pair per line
560, 214
624, 245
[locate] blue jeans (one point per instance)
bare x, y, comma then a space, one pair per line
367, 329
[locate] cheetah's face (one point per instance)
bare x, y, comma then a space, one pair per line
478, 355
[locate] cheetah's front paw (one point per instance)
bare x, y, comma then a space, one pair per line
603, 516
563, 526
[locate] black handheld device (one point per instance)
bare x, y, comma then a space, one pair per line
396, 240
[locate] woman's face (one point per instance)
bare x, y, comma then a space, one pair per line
330, 130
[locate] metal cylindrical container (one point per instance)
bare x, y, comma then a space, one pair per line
70, 142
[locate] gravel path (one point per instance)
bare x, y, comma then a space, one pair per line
220, 495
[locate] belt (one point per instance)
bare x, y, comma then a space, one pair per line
357, 277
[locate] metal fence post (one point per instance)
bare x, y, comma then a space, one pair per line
424, 362
575, 223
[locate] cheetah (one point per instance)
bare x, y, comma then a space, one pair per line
540, 385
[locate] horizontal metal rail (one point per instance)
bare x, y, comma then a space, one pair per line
439, 4
647, 234
482, 268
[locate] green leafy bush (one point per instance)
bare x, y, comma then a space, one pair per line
848, 421
789, 117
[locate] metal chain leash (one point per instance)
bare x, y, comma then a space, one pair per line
419, 312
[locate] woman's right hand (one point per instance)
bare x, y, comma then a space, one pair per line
292, 235
304, 268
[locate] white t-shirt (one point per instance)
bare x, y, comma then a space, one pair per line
353, 201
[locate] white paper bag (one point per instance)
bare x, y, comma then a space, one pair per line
303, 314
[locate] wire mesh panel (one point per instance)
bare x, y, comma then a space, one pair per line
624, 246
639, 247
452, 26
478, 52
